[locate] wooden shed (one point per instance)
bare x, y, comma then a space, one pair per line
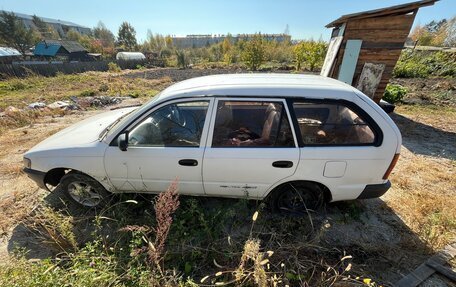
365, 46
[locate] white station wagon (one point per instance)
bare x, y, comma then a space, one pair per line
297, 140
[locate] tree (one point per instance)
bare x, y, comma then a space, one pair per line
169, 42
13, 33
421, 36
46, 31
156, 42
182, 59
106, 37
311, 53
73, 35
91, 44
434, 26
450, 40
436, 33
253, 53
226, 44
126, 37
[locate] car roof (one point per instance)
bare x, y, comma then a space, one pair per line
235, 84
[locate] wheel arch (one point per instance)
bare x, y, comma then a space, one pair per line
54, 176
327, 195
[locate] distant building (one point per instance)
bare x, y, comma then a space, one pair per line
8, 55
197, 41
62, 27
64, 50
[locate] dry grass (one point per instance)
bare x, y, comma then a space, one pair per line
53, 228
423, 193
21, 92
427, 199
424, 186
441, 117
18, 198
18, 194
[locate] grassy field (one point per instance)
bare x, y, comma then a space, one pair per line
19, 93
218, 241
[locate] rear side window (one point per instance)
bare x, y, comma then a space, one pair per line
332, 124
251, 124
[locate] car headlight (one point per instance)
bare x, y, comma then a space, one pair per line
27, 162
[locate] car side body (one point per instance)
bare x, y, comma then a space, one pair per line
239, 135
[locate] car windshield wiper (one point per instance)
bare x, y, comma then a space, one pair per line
110, 126
123, 107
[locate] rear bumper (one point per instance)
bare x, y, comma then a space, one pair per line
374, 190
37, 176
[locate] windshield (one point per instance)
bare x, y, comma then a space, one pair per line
131, 115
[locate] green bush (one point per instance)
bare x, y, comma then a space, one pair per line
253, 54
394, 93
411, 69
113, 67
103, 88
15, 85
310, 53
182, 59
88, 93
423, 64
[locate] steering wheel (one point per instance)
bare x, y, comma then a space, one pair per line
176, 115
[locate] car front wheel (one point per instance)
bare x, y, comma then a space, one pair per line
84, 190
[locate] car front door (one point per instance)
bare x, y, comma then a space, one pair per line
251, 146
163, 145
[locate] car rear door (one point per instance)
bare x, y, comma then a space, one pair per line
342, 146
250, 147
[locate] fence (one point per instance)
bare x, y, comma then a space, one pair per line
51, 69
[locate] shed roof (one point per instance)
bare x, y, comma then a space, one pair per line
9, 52
392, 10
70, 46
51, 47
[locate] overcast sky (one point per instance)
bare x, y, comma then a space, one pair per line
305, 18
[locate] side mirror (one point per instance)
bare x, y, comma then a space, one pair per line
122, 141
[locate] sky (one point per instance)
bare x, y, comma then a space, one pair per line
304, 18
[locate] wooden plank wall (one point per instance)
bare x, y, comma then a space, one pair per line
383, 39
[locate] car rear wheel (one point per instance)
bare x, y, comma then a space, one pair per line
84, 190
297, 198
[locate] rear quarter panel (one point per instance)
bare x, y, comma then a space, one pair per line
365, 164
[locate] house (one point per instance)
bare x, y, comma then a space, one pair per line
8, 55
198, 41
365, 46
64, 50
62, 27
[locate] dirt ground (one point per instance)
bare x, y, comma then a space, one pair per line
388, 237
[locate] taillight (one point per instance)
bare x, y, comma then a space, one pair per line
391, 166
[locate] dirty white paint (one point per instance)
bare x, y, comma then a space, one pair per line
333, 49
370, 78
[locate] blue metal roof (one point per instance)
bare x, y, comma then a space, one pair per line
43, 49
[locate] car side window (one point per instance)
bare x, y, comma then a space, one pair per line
331, 124
251, 124
174, 125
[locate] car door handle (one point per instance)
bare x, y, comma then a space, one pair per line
188, 162
282, 164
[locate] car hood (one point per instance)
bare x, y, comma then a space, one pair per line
81, 133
